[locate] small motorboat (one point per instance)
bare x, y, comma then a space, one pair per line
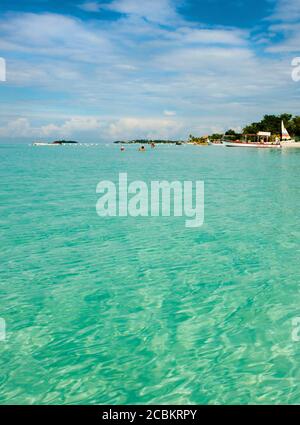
239, 144
261, 140
217, 144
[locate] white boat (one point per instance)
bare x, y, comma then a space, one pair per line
43, 144
290, 144
286, 140
58, 143
252, 145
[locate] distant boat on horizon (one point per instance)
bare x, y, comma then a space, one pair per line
55, 143
43, 144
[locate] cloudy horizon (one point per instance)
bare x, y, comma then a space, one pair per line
100, 71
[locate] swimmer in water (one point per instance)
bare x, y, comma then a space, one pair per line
122, 149
142, 149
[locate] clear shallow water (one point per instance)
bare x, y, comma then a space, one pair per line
144, 310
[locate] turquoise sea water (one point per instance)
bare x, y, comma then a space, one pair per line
144, 310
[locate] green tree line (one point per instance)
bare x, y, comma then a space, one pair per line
272, 123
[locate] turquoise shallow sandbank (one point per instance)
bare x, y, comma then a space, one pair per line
144, 310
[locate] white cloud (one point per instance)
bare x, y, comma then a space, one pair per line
54, 35
211, 36
126, 67
290, 38
73, 126
286, 10
285, 27
214, 60
161, 11
90, 6
94, 128
169, 113
22, 127
143, 127
17, 128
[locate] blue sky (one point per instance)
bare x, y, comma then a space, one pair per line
105, 70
